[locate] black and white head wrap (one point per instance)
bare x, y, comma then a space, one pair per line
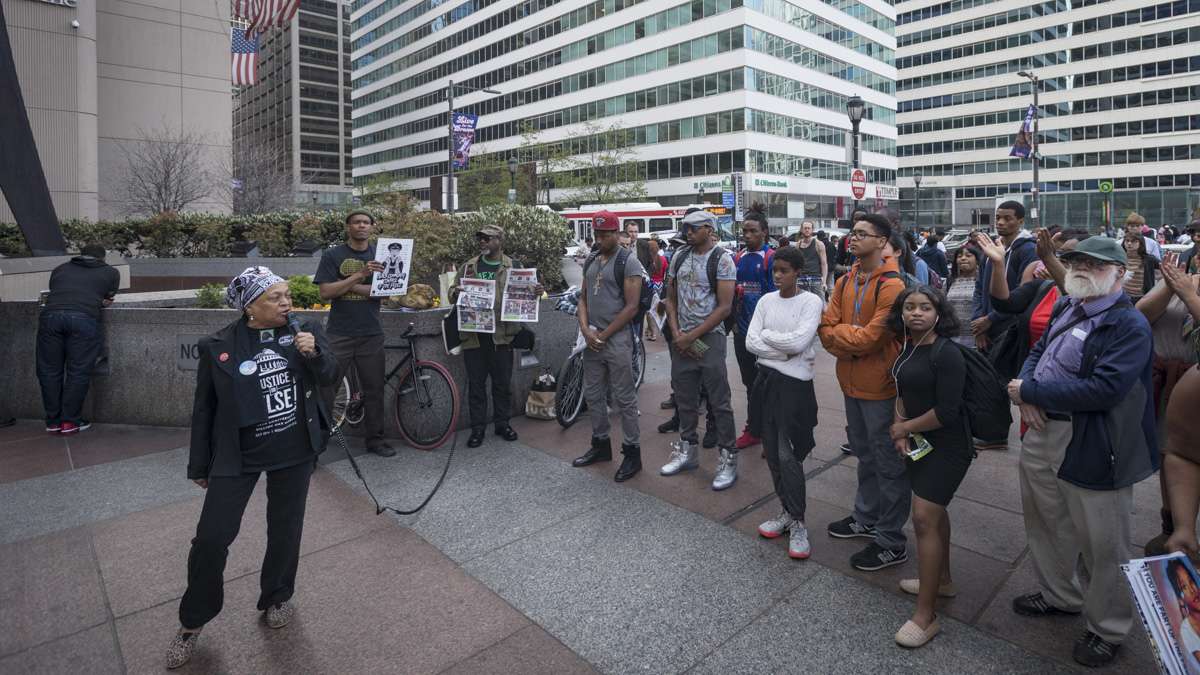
247, 286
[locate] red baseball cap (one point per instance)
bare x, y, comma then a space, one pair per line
606, 221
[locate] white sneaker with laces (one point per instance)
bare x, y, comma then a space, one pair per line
798, 546
776, 526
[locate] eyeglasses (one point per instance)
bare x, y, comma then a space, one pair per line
862, 234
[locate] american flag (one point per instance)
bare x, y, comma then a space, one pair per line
261, 14
244, 69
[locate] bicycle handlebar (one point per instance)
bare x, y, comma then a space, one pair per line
409, 335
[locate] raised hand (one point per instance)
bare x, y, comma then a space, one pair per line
989, 248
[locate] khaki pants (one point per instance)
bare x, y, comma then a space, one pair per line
1073, 532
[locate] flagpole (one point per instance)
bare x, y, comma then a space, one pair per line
1035, 212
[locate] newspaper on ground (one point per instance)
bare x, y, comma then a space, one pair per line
1166, 594
520, 296
477, 305
396, 257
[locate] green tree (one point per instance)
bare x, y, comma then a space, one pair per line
487, 179
601, 167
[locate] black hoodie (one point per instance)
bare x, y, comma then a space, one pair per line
81, 285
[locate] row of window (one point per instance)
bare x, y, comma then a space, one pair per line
1176, 153
1023, 88
396, 22
807, 21
1127, 183
863, 12
1046, 136
327, 42
318, 23
669, 18
1164, 40
813, 59
489, 25
1090, 105
982, 23
938, 10
800, 92
781, 164
1101, 50
815, 132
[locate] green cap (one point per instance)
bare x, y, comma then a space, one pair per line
1099, 248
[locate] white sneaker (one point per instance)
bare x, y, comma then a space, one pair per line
684, 456
726, 470
776, 526
798, 546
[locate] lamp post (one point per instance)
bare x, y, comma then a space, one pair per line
700, 195
1035, 212
313, 196
512, 172
917, 205
855, 107
450, 190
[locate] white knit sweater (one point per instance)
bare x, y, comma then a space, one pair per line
782, 332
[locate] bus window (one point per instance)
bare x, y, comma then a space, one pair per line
661, 224
641, 223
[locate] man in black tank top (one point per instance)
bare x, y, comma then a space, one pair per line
816, 267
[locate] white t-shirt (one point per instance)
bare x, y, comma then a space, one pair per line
782, 333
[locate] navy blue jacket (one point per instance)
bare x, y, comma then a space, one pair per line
933, 256
1111, 403
1024, 251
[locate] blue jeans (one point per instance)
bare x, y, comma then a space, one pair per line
68, 344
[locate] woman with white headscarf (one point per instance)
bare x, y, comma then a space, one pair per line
258, 408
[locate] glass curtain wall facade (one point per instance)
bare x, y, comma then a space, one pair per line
1120, 87
699, 88
299, 111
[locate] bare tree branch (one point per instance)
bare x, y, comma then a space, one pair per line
163, 170
259, 179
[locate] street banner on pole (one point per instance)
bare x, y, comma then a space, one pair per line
739, 198
1023, 146
464, 137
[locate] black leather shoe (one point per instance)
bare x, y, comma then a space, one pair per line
631, 465
601, 451
670, 426
1093, 651
476, 438
710, 437
507, 433
383, 450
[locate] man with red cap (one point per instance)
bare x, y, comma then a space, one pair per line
612, 288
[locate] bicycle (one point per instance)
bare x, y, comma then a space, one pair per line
427, 400
568, 399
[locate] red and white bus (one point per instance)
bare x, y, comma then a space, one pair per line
650, 217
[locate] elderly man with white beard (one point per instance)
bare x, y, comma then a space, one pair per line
1085, 393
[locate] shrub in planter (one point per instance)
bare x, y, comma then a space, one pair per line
532, 236
211, 296
305, 293
433, 234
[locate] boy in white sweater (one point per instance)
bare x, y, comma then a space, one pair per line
781, 334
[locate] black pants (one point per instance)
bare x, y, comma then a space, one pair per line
68, 344
365, 353
220, 520
748, 365
493, 361
788, 422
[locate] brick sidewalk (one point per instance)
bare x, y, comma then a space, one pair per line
522, 564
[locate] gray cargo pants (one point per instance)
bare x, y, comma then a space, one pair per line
612, 368
687, 374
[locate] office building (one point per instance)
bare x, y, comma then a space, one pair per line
97, 74
1120, 85
702, 89
298, 115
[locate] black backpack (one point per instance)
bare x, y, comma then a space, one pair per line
713, 262
647, 295
985, 398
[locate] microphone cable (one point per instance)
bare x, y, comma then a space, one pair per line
380, 508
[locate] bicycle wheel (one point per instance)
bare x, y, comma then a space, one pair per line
568, 400
341, 401
426, 409
639, 362
356, 410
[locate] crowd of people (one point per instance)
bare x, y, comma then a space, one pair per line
1092, 338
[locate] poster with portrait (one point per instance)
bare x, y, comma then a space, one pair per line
1166, 593
396, 257
477, 306
520, 302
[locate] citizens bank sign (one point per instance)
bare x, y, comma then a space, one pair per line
60, 3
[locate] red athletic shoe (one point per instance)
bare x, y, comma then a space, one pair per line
746, 440
68, 428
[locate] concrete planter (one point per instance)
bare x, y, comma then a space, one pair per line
148, 348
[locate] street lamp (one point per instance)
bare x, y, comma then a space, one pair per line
313, 196
700, 195
917, 206
1033, 152
450, 190
512, 171
855, 107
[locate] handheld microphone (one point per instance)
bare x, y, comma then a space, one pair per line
293, 323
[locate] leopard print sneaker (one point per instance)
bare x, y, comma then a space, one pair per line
181, 648
280, 615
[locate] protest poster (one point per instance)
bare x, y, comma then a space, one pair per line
1166, 593
477, 305
396, 257
520, 302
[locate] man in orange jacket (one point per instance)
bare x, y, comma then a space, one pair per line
854, 329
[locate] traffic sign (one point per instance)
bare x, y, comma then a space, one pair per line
1106, 186
858, 183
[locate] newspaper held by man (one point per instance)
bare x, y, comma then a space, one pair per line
396, 257
1166, 593
477, 305
520, 296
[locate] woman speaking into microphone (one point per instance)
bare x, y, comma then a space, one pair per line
258, 408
